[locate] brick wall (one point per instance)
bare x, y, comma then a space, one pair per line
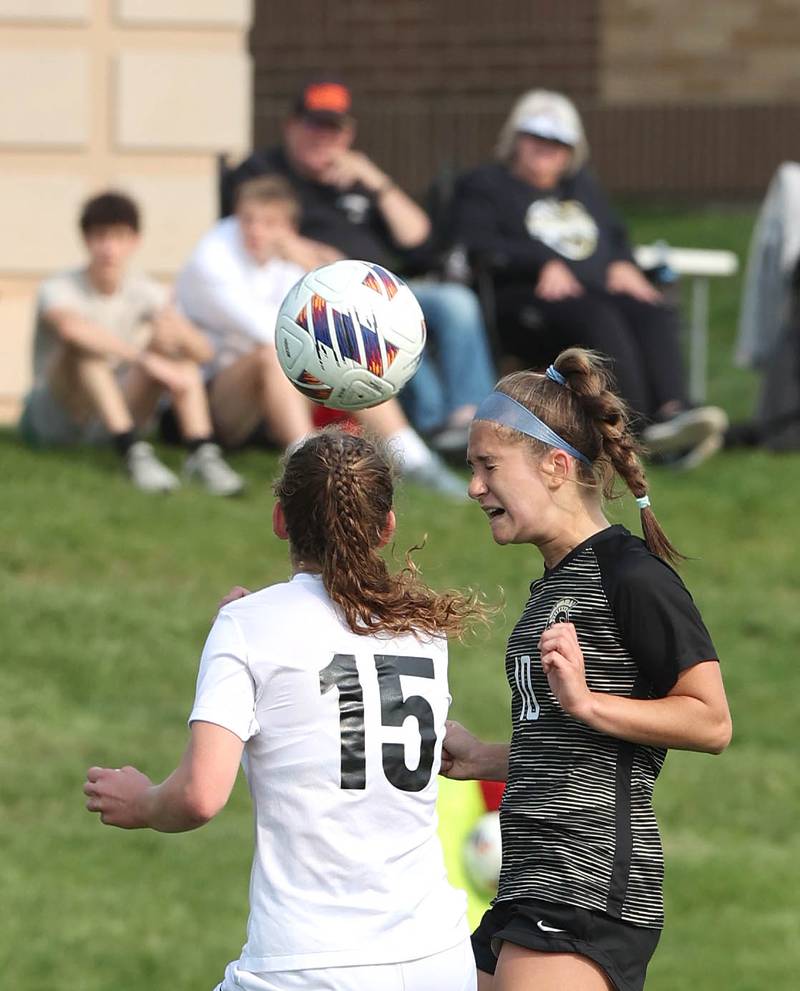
432, 81
679, 97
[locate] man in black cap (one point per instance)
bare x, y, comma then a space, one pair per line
351, 208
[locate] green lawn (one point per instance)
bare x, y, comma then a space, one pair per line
107, 595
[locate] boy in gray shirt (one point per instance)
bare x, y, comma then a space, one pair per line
107, 346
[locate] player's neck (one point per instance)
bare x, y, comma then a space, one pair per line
556, 547
105, 282
301, 566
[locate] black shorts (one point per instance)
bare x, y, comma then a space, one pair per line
622, 950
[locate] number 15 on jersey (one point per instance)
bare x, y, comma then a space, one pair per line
342, 674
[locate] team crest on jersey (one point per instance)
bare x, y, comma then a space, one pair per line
560, 611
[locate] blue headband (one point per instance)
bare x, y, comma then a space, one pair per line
500, 408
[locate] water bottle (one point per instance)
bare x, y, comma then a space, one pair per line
662, 273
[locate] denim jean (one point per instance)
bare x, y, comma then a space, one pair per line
456, 369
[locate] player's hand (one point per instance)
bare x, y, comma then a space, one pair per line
625, 277
117, 793
351, 167
237, 592
562, 663
556, 282
168, 330
460, 753
305, 252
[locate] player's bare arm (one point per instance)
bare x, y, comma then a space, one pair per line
193, 794
408, 223
176, 337
466, 758
624, 277
87, 336
694, 715
306, 252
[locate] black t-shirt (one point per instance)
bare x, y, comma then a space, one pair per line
518, 228
577, 817
347, 219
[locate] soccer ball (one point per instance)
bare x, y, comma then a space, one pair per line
350, 335
483, 853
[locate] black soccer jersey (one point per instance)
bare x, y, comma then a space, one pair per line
577, 816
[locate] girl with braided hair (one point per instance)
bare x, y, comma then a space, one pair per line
312, 684
609, 665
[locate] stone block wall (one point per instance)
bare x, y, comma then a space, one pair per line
682, 51
140, 95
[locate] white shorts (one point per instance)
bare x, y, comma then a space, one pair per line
450, 970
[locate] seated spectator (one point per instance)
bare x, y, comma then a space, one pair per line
232, 287
351, 208
108, 345
565, 275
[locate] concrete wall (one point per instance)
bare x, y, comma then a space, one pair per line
140, 95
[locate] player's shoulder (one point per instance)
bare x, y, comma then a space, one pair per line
72, 279
626, 563
302, 594
483, 177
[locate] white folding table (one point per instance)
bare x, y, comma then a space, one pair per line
699, 265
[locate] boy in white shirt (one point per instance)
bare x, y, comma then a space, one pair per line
232, 287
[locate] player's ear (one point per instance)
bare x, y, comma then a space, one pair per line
279, 521
558, 466
388, 531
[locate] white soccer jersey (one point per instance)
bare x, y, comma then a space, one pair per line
343, 744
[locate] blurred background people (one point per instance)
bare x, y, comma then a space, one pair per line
107, 346
351, 208
564, 273
233, 286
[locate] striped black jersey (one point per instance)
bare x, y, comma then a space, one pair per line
577, 817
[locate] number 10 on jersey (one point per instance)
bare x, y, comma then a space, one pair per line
342, 674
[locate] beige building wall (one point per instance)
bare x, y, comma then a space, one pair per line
685, 51
141, 95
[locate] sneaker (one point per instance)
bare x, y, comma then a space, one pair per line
685, 431
699, 453
434, 474
146, 471
208, 467
450, 440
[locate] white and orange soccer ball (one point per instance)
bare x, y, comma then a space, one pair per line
349, 335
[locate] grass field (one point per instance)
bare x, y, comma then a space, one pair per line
107, 595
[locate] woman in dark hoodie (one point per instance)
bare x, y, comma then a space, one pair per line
565, 274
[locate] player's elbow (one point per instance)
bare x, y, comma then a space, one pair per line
720, 732
65, 325
200, 805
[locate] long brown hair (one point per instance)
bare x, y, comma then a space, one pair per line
336, 492
589, 414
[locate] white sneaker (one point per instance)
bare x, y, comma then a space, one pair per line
208, 467
434, 474
699, 453
685, 431
146, 471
